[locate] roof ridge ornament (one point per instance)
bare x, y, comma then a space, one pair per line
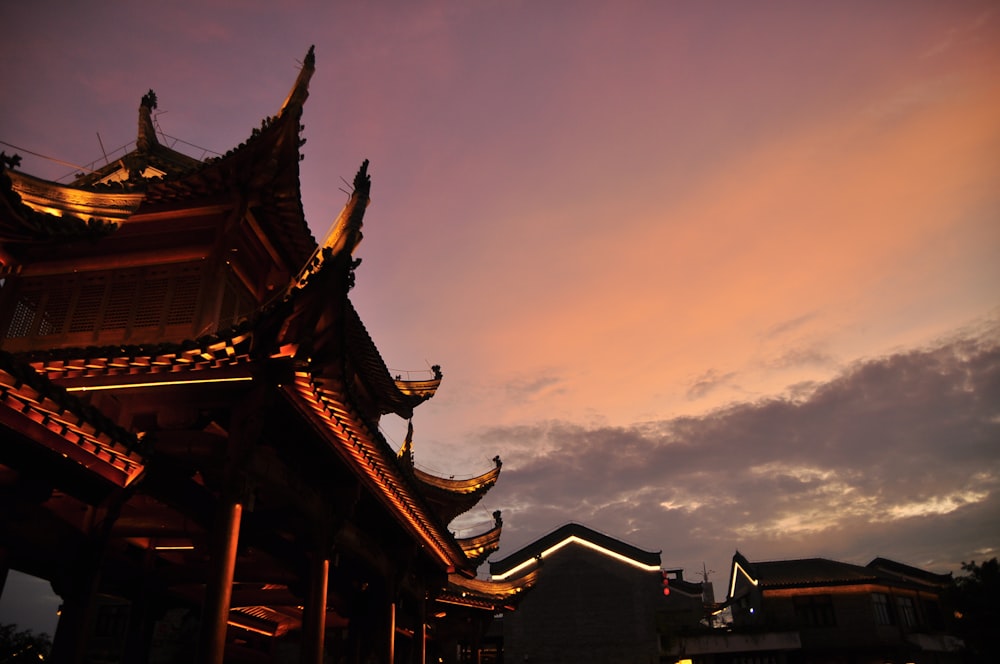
146, 139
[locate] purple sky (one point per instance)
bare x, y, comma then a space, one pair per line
707, 276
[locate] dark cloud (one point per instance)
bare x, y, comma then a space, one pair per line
707, 382
800, 356
897, 456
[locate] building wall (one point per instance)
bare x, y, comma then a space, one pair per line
585, 607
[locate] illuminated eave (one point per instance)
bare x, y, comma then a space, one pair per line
478, 547
425, 389
39, 418
473, 485
573, 539
356, 444
60, 200
482, 594
223, 360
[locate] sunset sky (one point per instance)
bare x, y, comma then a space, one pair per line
706, 275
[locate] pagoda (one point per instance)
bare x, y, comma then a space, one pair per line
190, 448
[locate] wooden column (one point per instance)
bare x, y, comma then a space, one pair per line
79, 586
314, 616
219, 587
392, 632
422, 641
246, 423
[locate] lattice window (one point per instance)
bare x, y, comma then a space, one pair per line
184, 299
152, 300
126, 303
121, 300
24, 315
89, 299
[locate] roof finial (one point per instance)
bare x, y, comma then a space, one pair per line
149, 100
147, 134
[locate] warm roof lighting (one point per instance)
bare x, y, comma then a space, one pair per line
739, 568
122, 386
573, 539
250, 629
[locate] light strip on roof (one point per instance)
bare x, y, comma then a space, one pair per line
122, 386
573, 539
249, 628
738, 567
358, 445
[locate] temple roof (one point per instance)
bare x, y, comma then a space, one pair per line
486, 595
479, 547
34, 407
154, 177
449, 496
317, 390
307, 341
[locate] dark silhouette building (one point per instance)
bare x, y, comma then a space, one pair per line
819, 610
595, 599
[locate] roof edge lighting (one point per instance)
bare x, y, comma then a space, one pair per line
738, 567
573, 539
122, 386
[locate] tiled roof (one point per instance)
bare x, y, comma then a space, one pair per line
809, 571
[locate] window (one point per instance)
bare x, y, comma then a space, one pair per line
907, 612
80, 307
815, 611
883, 610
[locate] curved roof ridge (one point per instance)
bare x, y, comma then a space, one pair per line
461, 486
300, 90
479, 547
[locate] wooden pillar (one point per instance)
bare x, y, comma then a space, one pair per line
79, 585
422, 641
392, 632
314, 616
219, 587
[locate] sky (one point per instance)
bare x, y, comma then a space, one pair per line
707, 276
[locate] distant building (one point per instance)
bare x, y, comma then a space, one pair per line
595, 599
190, 405
819, 610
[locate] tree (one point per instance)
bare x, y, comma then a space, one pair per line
23, 645
977, 612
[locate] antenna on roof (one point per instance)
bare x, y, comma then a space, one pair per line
103, 151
